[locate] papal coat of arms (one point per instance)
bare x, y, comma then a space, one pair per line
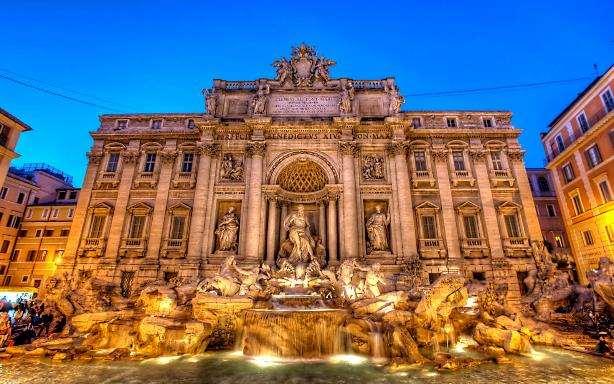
304, 68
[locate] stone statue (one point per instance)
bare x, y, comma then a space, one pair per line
377, 230
232, 280
299, 234
373, 168
373, 278
260, 100
284, 70
227, 231
395, 100
210, 102
320, 71
231, 168
347, 96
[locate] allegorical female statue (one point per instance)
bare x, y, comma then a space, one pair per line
377, 230
297, 225
227, 231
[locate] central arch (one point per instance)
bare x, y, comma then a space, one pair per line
307, 165
302, 176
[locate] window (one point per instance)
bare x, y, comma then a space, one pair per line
45, 213
420, 160
2, 269
577, 204
543, 185
416, 122
3, 192
8, 280
511, 224
58, 254
551, 211
121, 124
62, 195
36, 283
187, 162
582, 122
604, 188
64, 232
112, 162
520, 276
497, 163
42, 255
97, 226
593, 156
169, 275
559, 241
55, 213
471, 227
15, 254
177, 227
48, 233
433, 276
479, 276
608, 100
125, 284
458, 160
150, 163
191, 124
588, 237
451, 122
5, 246
429, 229
568, 174
572, 137
156, 124
487, 122
39, 233
16, 222
25, 278
22, 233
137, 224
4, 134
73, 195
31, 255
21, 197
71, 213
36, 199
559, 143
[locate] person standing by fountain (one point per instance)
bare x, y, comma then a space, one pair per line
297, 225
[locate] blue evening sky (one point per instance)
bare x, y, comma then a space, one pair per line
156, 56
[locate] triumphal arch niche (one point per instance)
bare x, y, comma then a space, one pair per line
305, 165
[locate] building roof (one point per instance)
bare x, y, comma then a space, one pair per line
11, 117
27, 171
579, 97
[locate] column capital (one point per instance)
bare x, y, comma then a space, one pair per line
440, 153
168, 155
208, 149
255, 148
477, 154
95, 157
515, 154
397, 147
348, 147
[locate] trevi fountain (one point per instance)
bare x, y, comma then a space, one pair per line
338, 294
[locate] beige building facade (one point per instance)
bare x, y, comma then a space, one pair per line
10, 129
176, 194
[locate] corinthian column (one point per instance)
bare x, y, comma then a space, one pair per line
441, 156
256, 150
516, 157
348, 151
201, 195
406, 213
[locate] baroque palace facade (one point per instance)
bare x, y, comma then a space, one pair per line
170, 195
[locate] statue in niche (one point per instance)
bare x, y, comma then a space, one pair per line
377, 230
227, 231
347, 96
231, 168
210, 101
373, 168
395, 100
284, 70
299, 234
260, 100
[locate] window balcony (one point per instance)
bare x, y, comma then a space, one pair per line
108, 179
501, 177
133, 247
146, 179
431, 248
92, 247
184, 180
174, 248
419, 178
474, 248
461, 177
516, 246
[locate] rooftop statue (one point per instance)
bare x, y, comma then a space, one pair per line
304, 68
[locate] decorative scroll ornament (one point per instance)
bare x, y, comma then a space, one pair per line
95, 157
515, 154
477, 154
440, 153
168, 155
396, 147
304, 68
130, 156
256, 148
348, 148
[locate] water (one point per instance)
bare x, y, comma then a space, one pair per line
545, 366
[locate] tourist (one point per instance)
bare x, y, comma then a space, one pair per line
5, 329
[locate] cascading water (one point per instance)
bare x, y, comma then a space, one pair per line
294, 329
376, 341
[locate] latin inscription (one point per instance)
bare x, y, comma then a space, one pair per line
304, 105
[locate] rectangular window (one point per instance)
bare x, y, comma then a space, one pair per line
588, 237
8, 280
2, 269
62, 195
416, 122
4, 134
21, 197
459, 160
451, 122
150, 163
191, 124
568, 174
511, 224
97, 226
137, 224
582, 122
55, 213
543, 184
3, 192
64, 232
121, 124
479, 276
429, 228
22, 233
42, 255
471, 227
25, 278
559, 143
604, 188
48, 233
608, 100
188, 161
551, 210
577, 204
497, 163
71, 212
15, 254
9, 222
38, 233
559, 241
31, 255
487, 122
177, 227
593, 156
125, 284
112, 162
45, 213
420, 160
5, 246
36, 283
156, 124
72, 195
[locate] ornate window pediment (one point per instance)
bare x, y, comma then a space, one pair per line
508, 206
468, 207
427, 206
